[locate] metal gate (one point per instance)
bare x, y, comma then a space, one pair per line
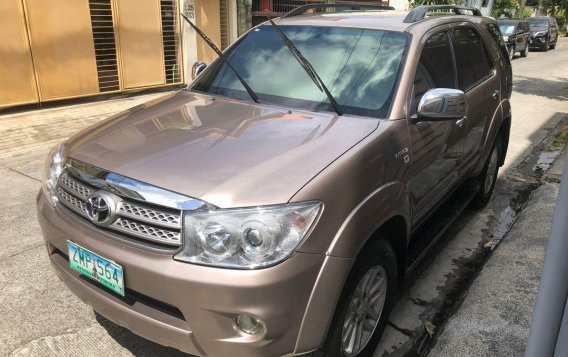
63, 49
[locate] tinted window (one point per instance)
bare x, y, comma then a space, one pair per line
435, 69
471, 59
359, 66
507, 28
525, 26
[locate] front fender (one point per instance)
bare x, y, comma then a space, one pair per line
378, 207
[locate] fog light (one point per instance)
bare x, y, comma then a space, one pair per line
249, 324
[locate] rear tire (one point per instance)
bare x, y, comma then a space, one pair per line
373, 278
488, 177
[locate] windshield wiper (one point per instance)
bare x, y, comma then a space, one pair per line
224, 58
307, 67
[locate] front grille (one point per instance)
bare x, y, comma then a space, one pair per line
151, 224
149, 214
145, 231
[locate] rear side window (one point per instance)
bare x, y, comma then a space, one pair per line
436, 68
471, 58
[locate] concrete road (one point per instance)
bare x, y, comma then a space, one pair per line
39, 317
495, 315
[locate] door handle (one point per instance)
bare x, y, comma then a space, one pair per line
460, 122
495, 94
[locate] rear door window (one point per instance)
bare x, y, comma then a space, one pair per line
472, 63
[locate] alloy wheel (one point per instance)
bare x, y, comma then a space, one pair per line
364, 311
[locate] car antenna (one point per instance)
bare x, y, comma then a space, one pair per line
211, 44
306, 65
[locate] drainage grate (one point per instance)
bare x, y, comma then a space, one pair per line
105, 44
171, 41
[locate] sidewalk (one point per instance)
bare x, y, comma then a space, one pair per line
36, 131
495, 316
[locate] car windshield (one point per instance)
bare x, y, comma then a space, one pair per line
538, 22
507, 29
359, 66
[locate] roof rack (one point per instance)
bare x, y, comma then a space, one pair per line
302, 9
419, 12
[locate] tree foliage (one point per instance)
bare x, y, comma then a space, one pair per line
506, 8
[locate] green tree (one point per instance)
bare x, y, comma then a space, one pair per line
504, 7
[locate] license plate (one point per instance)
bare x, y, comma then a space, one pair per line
94, 266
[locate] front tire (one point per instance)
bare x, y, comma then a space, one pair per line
511, 52
365, 304
554, 45
546, 45
488, 177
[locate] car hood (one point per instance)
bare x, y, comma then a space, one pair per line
225, 152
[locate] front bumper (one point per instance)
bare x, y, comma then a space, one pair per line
191, 307
537, 42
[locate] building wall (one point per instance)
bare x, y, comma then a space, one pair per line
206, 15
75, 48
208, 20
66, 49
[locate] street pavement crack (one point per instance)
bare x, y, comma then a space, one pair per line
400, 329
21, 173
23, 251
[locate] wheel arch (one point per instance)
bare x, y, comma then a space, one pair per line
499, 125
395, 231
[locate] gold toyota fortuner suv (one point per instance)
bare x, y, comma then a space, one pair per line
275, 205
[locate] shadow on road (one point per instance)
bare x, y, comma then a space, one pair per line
137, 345
556, 89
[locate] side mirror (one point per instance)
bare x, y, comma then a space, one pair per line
197, 69
442, 104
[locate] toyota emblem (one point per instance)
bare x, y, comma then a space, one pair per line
98, 209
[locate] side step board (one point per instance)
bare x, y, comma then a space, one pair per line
425, 238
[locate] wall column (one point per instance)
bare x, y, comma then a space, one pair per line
244, 16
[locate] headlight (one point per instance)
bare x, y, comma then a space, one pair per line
540, 33
506, 38
246, 238
52, 169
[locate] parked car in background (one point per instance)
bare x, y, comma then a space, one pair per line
517, 36
544, 32
259, 213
